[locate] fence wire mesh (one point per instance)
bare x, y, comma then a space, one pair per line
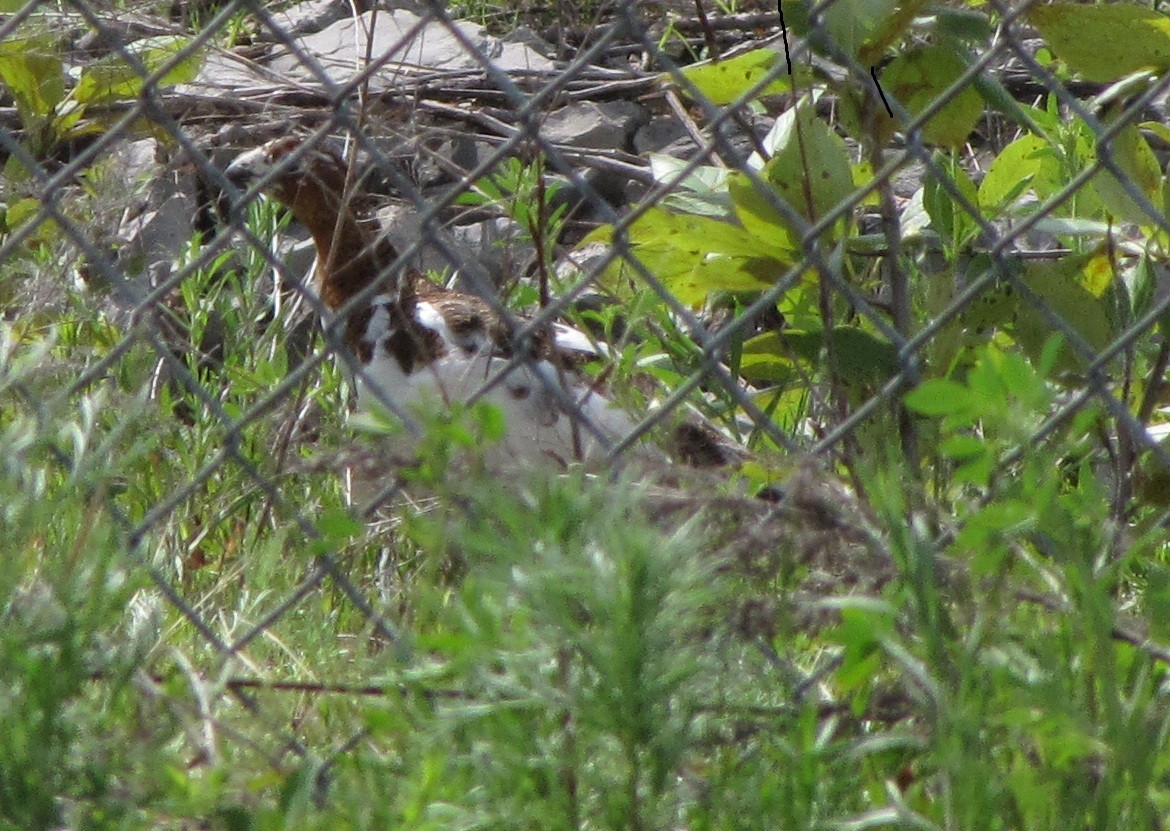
771, 246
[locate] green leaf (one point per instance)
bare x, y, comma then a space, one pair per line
962, 24
338, 524
759, 218
963, 447
947, 217
1162, 131
701, 191
1079, 288
112, 78
1140, 168
27, 210
1028, 163
763, 361
335, 527
723, 82
862, 358
976, 469
860, 633
31, 68
1105, 42
985, 531
697, 255
810, 168
491, 421
691, 275
1153, 484
889, 30
918, 77
696, 233
852, 25
939, 397
21, 211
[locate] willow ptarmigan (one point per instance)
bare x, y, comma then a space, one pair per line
423, 345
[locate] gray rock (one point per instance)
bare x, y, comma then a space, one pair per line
908, 179
662, 133
306, 19
295, 249
500, 245
497, 248
155, 230
224, 74
529, 37
405, 45
609, 125
684, 148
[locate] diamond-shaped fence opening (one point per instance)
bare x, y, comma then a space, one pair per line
270, 276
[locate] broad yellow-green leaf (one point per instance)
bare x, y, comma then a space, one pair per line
759, 218
723, 82
1156, 599
1162, 131
692, 232
766, 362
112, 78
810, 169
862, 176
1028, 163
1137, 162
938, 397
889, 31
918, 77
32, 71
963, 24
1105, 41
811, 166
1079, 288
691, 274
697, 255
22, 212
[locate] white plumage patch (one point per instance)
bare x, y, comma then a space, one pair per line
538, 429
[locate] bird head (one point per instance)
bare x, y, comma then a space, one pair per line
293, 172
312, 181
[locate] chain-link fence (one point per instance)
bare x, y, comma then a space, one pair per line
761, 253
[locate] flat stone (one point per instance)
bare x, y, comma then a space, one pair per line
661, 133
222, 74
153, 233
404, 45
313, 16
607, 125
497, 248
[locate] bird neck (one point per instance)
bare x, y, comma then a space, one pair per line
350, 253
